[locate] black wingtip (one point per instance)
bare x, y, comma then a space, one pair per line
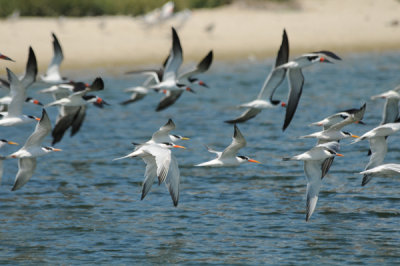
235, 130
363, 106
366, 179
205, 64
97, 84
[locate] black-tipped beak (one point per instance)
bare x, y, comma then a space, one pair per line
203, 84
6, 58
37, 102
361, 122
327, 61
189, 89
34, 101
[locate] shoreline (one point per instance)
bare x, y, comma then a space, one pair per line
238, 32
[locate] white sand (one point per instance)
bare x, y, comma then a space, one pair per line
338, 25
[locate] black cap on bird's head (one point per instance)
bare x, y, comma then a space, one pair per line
169, 144
247, 159
33, 117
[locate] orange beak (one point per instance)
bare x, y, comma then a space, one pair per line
283, 104
354, 136
12, 143
37, 118
178, 146
99, 100
322, 59
57, 149
253, 161
339, 154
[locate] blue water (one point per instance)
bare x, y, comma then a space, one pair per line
80, 207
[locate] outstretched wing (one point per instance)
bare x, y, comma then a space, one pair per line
238, 142
296, 82
172, 180
42, 129
247, 115
26, 167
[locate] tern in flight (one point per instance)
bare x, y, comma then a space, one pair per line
378, 146
32, 149
161, 163
264, 99
229, 156
314, 169
53, 75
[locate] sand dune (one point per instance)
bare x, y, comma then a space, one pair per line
239, 32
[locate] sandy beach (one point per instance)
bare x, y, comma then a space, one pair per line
237, 32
